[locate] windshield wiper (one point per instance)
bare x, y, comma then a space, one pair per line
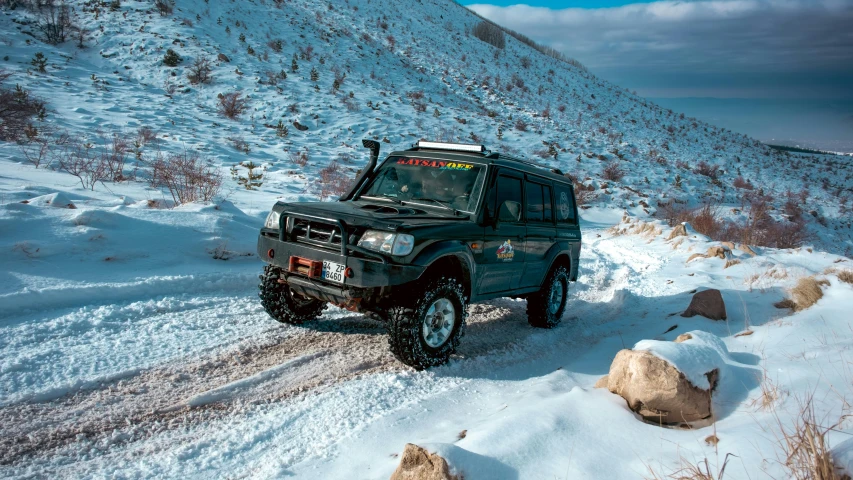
440, 203
383, 197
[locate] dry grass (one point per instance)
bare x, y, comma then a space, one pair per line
689, 471
805, 294
632, 226
844, 275
805, 447
770, 393
731, 263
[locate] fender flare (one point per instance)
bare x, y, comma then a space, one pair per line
457, 248
559, 248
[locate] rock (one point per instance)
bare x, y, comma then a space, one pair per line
729, 245
223, 58
418, 464
679, 231
745, 249
718, 251
602, 382
656, 390
695, 256
707, 303
683, 337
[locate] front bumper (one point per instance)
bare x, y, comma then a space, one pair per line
368, 273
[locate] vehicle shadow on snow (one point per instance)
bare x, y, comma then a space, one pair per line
500, 345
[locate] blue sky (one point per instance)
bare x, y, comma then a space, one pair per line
790, 51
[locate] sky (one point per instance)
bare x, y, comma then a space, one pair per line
791, 59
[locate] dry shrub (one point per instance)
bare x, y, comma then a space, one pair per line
187, 177
706, 169
200, 71
731, 263
845, 276
17, 110
83, 161
805, 448
232, 105
164, 7
805, 294
333, 181
613, 172
299, 158
54, 21
742, 183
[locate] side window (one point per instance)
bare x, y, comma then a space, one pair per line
565, 207
508, 199
535, 207
546, 204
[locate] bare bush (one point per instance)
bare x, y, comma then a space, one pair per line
54, 21
333, 181
36, 151
187, 177
164, 7
742, 183
521, 125
845, 276
299, 158
17, 110
200, 71
82, 161
489, 33
613, 172
114, 155
232, 105
706, 169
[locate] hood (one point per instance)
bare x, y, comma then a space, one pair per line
373, 214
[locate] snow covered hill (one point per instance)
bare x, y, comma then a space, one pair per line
393, 71
132, 343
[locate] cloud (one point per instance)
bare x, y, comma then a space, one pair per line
802, 44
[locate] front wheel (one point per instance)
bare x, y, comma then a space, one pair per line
283, 304
426, 331
545, 308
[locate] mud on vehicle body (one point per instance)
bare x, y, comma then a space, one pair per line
420, 237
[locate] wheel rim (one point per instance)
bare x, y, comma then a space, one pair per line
439, 320
555, 297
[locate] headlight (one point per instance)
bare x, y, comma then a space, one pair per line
272, 220
387, 242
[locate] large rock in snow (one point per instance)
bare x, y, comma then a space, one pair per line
657, 390
708, 303
417, 463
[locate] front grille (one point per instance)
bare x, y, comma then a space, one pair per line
315, 233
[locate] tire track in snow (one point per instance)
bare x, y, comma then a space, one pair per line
289, 362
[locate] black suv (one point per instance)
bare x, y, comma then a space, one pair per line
430, 230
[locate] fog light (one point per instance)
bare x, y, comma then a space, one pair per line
271, 253
348, 272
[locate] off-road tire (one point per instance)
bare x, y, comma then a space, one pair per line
539, 313
281, 305
405, 324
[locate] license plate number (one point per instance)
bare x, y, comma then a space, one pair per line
334, 272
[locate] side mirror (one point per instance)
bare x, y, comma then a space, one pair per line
510, 211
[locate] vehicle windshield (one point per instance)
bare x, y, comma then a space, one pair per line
428, 182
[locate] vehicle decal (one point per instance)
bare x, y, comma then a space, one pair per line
564, 205
505, 252
440, 164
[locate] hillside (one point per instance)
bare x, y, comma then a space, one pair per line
409, 72
132, 341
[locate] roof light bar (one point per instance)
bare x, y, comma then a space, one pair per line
459, 147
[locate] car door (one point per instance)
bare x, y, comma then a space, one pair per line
504, 247
541, 232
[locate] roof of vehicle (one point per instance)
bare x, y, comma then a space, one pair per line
488, 158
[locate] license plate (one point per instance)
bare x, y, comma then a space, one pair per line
333, 272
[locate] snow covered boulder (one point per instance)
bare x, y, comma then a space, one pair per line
707, 303
417, 463
55, 200
671, 382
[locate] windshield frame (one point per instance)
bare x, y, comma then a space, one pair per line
478, 189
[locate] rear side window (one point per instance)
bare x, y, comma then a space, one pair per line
538, 203
565, 207
535, 207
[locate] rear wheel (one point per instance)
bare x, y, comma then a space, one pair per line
545, 308
283, 304
424, 332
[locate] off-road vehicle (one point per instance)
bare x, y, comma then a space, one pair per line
430, 230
